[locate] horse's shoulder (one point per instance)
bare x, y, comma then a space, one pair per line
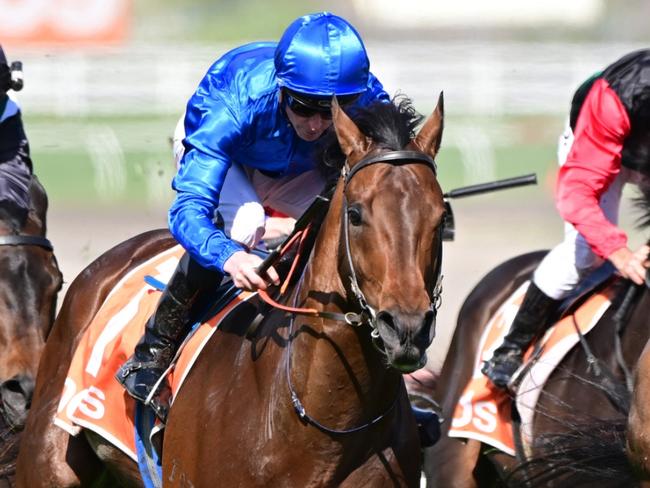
248, 337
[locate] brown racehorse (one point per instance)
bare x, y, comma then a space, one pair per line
571, 395
376, 256
29, 282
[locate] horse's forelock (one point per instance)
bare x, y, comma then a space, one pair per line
391, 126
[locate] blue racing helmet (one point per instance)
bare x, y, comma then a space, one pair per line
321, 55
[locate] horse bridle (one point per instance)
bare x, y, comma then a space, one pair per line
368, 314
25, 240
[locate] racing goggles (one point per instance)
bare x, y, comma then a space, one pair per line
305, 106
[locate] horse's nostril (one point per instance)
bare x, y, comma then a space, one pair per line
387, 319
16, 399
12, 386
18, 389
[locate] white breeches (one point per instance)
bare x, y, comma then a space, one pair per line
246, 192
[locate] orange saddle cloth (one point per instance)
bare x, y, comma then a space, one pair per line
484, 413
92, 398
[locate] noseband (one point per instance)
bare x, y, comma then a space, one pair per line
23, 240
368, 314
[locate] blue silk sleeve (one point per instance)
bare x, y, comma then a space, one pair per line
212, 131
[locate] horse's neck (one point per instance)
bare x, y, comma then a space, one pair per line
331, 357
321, 273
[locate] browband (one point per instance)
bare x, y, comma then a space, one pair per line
22, 240
393, 157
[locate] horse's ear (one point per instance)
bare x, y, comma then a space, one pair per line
430, 135
351, 139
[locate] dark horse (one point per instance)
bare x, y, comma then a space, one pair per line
575, 396
376, 256
29, 282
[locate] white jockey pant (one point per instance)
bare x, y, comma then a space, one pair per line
570, 261
246, 192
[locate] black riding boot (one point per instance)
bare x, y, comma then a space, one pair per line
164, 332
531, 319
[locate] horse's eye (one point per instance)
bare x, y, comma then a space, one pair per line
354, 214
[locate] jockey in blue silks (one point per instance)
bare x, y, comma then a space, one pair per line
252, 131
15, 162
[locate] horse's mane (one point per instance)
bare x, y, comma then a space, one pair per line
390, 125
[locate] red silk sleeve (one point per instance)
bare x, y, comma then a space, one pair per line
593, 163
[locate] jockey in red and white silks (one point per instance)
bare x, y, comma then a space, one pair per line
15, 162
606, 145
610, 146
589, 189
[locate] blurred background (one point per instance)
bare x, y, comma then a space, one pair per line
106, 80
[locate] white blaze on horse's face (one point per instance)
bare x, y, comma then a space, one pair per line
394, 212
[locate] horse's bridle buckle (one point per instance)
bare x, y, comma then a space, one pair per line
353, 319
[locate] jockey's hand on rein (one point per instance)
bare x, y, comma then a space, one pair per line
242, 267
631, 265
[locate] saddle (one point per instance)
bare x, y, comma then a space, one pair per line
593, 281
